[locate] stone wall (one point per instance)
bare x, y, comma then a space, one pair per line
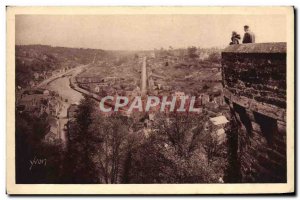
254, 80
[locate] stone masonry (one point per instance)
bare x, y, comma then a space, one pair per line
254, 81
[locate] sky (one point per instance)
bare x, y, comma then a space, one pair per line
144, 32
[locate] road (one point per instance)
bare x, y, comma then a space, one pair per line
56, 76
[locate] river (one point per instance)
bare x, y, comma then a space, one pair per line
69, 96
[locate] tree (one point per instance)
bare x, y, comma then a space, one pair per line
30, 132
98, 146
192, 52
112, 150
81, 148
173, 153
210, 144
214, 57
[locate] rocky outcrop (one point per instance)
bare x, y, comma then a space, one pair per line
254, 80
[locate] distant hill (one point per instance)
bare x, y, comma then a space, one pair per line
40, 60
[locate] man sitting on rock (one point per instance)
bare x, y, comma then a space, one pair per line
249, 37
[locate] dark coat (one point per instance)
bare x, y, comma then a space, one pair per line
249, 37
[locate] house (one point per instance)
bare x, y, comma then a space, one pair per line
166, 87
97, 89
151, 83
212, 106
48, 73
179, 94
220, 120
158, 86
36, 76
153, 55
220, 135
151, 116
219, 100
147, 132
37, 102
54, 107
31, 102
50, 137
149, 120
204, 98
72, 110
111, 91
218, 125
46, 92
54, 127
136, 92
53, 123
203, 55
31, 83
127, 93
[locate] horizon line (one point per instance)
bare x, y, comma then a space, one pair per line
74, 47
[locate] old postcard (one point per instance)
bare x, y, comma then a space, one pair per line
150, 100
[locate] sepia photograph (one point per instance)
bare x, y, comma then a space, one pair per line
150, 100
